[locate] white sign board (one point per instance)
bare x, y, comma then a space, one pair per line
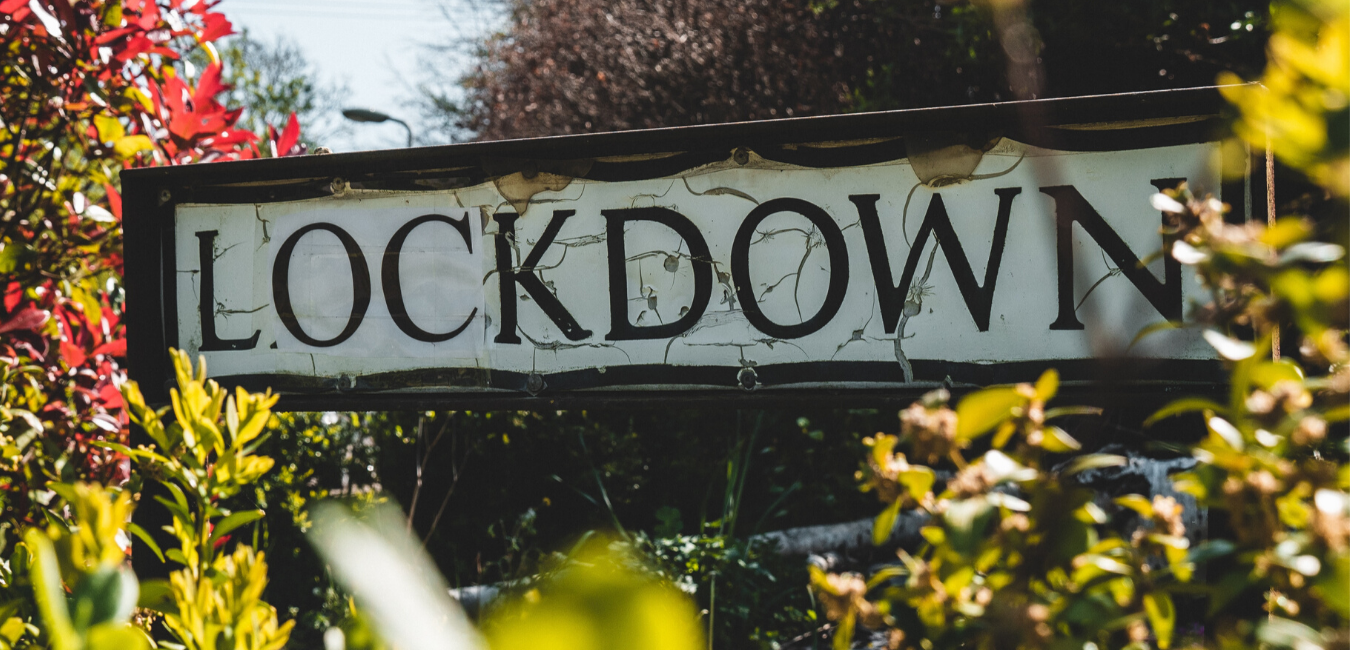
741, 275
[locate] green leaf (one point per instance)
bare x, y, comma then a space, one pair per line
1334, 585
51, 598
116, 637
1063, 411
234, 521
178, 513
106, 596
1209, 550
1151, 329
144, 536
981, 411
885, 574
1337, 413
1093, 461
1285, 633
157, 595
881, 528
1268, 373
1162, 615
966, 520
15, 256
1184, 405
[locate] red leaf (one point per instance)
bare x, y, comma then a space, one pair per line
149, 16
13, 293
110, 396
215, 26
289, 137
117, 348
227, 138
28, 319
72, 354
106, 37
209, 86
134, 46
114, 200
11, 6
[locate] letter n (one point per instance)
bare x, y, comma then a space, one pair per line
1071, 207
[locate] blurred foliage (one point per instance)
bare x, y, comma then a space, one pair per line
597, 600
1302, 106
75, 576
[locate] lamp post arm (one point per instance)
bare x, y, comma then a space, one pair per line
406, 127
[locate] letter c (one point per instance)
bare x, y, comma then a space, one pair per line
393, 288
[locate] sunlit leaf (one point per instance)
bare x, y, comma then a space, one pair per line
1093, 461
1184, 405
981, 411
885, 522
1047, 385
130, 145
1229, 348
1162, 616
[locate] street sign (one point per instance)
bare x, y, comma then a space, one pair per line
860, 255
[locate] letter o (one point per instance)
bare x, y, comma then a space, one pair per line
834, 245
281, 285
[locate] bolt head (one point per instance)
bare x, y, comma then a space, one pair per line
747, 378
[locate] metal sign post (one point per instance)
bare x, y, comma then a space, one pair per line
837, 257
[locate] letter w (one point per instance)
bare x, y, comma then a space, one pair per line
979, 298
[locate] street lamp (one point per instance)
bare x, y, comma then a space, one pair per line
363, 115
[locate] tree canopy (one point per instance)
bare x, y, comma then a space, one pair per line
576, 66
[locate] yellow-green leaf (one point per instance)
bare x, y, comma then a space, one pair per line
981, 411
1161, 615
130, 145
1137, 503
89, 304
109, 128
881, 528
918, 481
1057, 440
1183, 405
1047, 385
51, 598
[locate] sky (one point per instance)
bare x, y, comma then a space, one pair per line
373, 47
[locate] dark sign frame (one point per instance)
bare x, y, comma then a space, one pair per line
152, 194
